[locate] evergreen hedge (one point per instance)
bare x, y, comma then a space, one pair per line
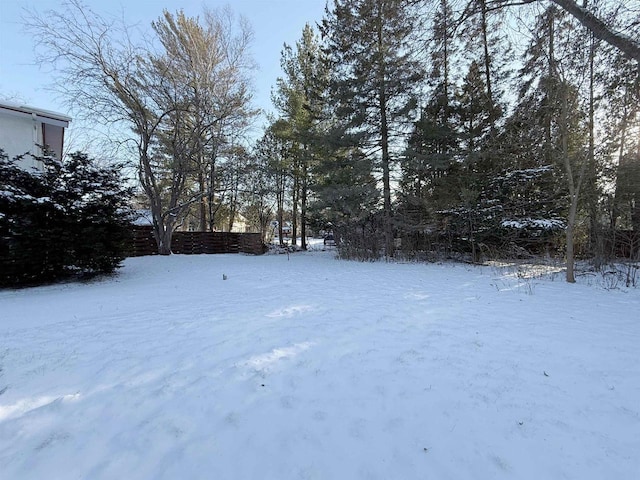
70, 219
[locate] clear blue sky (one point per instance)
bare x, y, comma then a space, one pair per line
274, 22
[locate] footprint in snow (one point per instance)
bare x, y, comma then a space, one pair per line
289, 311
320, 416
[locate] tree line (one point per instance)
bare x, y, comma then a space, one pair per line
460, 127
463, 127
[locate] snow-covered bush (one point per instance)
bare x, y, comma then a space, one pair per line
70, 218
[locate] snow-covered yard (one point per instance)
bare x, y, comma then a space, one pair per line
314, 368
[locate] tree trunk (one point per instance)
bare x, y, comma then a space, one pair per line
386, 184
280, 207
617, 195
547, 119
303, 206
295, 199
164, 241
564, 132
203, 202
233, 194
487, 66
570, 244
211, 194
595, 237
148, 182
635, 212
384, 144
573, 183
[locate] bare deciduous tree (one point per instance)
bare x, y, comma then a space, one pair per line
211, 60
166, 97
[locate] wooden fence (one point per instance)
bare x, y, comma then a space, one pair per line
193, 243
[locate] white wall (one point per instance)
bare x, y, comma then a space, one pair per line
19, 135
21, 131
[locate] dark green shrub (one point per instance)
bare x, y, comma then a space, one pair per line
71, 218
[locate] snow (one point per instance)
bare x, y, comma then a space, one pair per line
526, 174
142, 218
304, 366
534, 223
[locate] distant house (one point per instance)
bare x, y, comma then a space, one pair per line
25, 129
240, 224
191, 223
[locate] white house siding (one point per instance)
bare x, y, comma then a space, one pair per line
18, 136
24, 129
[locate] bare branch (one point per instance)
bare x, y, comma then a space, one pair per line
600, 29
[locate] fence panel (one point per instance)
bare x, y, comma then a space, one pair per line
194, 243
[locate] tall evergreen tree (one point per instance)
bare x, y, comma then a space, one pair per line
375, 81
346, 200
273, 153
488, 47
443, 47
300, 98
475, 118
621, 79
433, 142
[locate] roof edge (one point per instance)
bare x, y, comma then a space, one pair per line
40, 112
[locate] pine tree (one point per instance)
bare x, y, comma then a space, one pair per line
300, 98
621, 80
443, 50
462, 192
433, 143
346, 200
475, 117
273, 153
488, 47
375, 80
26, 225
